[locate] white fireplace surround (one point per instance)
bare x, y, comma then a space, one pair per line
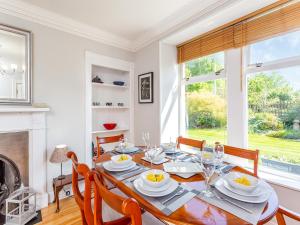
33, 120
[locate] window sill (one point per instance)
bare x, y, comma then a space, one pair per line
287, 180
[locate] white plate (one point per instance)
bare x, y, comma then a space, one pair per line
156, 162
127, 150
185, 175
259, 190
111, 167
157, 189
139, 185
250, 199
182, 167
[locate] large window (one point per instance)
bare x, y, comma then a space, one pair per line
205, 99
274, 102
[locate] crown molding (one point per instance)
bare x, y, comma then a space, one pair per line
47, 18
180, 19
173, 23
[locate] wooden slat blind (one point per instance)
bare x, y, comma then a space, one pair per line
283, 18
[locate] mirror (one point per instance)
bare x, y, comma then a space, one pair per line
15, 66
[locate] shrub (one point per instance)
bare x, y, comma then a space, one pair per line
285, 134
205, 110
292, 115
264, 122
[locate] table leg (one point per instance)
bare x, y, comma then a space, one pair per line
57, 198
54, 192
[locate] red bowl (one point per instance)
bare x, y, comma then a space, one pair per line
110, 126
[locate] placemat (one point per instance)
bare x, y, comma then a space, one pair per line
252, 218
171, 206
128, 173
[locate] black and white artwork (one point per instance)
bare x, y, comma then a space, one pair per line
146, 88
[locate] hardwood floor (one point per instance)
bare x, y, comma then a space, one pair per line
69, 213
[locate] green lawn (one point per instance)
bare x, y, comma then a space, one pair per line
270, 146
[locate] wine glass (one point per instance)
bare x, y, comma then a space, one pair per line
219, 155
123, 144
208, 167
173, 146
146, 139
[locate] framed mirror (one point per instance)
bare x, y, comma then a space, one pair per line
15, 66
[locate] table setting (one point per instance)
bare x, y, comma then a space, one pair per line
239, 194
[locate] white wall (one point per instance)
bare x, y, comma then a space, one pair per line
58, 80
146, 116
169, 93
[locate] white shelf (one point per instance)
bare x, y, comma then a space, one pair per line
108, 85
108, 131
110, 107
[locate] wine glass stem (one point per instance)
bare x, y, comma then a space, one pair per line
207, 183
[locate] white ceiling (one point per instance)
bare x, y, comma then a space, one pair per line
126, 18
131, 24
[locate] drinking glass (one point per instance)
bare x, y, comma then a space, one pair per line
208, 167
146, 139
173, 146
151, 154
123, 144
219, 155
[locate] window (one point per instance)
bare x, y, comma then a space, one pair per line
205, 99
205, 65
274, 102
280, 47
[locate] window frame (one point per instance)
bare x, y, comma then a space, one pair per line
183, 81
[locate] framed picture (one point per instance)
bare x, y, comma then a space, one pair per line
145, 83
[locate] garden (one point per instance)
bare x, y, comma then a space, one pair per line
273, 111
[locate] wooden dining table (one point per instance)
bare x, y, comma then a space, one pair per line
195, 211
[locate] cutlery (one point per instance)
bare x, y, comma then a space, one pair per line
231, 202
178, 193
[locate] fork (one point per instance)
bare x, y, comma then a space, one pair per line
178, 193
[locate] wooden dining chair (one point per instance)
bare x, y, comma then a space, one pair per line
105, 140
282, 212
127, 207
79, 198
190, 142
245, 154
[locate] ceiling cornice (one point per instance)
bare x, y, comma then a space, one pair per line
172, 23
180, 19
45, 17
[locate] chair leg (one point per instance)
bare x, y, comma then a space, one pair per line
83, 218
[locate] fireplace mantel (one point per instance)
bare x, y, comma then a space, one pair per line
33, 120
7, 109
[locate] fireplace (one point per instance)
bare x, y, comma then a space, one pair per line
23, 142
13, 164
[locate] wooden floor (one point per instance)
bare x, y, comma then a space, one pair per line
69, 213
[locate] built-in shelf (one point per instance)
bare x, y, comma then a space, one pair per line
109, 131
110, 107
108, 85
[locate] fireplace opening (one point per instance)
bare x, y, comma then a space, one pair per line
14, 165
10, 180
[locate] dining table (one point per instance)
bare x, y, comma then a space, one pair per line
195, 211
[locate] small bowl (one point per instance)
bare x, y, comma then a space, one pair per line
116, 160
110, 126
231, 179
166, 178
119, 83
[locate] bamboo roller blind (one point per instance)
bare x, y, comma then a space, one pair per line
283, 18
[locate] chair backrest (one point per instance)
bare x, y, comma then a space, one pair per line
245, 154
190, 142
128, 207
105, 140
285, 212
79, 198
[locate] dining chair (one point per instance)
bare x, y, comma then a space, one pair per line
285, 212
245, 154
128, 208
190, 142
105, 140
79, 198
